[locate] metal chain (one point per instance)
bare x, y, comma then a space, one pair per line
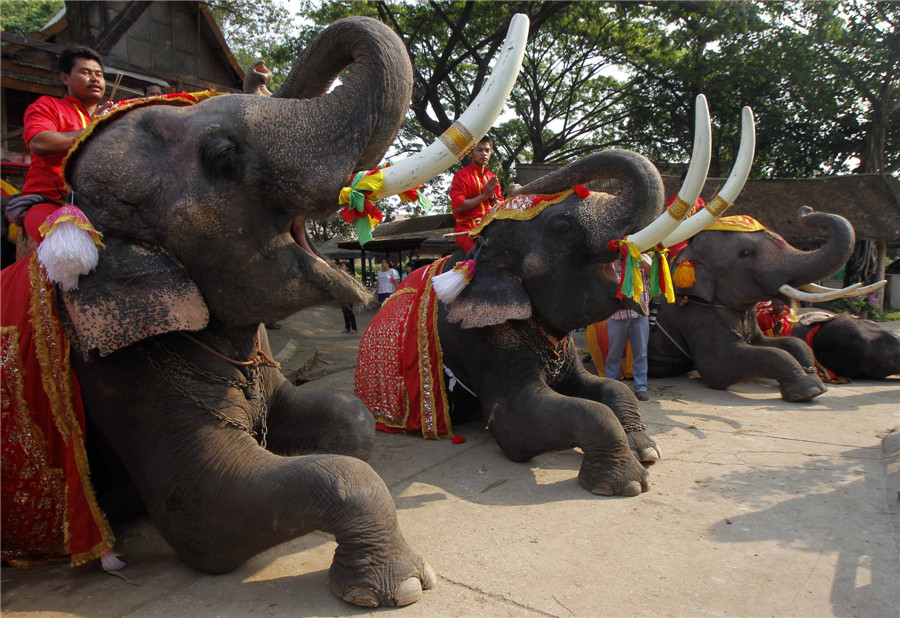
553, 358
250, 388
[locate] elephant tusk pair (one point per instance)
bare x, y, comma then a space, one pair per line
817, 293
668, 221
725, 198
465, 132
670, 228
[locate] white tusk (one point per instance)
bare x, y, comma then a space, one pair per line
465, 132
729, 192
690, 189
813, 287
810, 296
870, 288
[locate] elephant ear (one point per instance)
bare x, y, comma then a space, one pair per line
493, 297
693, 276
137, 291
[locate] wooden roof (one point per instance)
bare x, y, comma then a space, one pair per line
871, 202
426, 233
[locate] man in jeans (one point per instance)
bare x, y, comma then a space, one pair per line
629, 325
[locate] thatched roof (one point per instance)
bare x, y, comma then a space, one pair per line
871, 202
425, 233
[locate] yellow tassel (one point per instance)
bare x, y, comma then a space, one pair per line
684, 276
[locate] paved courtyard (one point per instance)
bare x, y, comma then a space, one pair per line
758, 508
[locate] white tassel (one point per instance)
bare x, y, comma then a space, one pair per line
110, 562
448, 285
67, 253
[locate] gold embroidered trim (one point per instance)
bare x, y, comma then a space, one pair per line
457, 139
191, 98
520, 208
34, 444
52, 350
428, 307
717, 206
679, 208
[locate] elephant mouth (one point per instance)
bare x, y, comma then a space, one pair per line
298, 233
609, 271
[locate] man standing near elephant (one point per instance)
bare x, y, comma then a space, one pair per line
627, 325
52, 126
473, 192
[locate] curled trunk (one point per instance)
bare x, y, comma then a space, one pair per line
811, 266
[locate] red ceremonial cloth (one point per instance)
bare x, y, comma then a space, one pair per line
49, 511
399, 369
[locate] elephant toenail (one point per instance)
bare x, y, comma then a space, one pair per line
408, 592
429, 577
364, 597
603, 489
632, 489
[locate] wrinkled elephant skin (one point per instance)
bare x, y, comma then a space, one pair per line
712, 326
203, 210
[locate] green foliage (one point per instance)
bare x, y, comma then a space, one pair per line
26, 17
821, 77
854, 305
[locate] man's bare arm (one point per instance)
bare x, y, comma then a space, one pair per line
47, 143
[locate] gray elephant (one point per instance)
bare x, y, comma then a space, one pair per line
719, 277
850, 347
203, 210
542, 267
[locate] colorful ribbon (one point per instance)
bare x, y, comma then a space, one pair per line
360, 210
660, 277
631, 284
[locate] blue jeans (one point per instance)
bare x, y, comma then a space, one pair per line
637, 331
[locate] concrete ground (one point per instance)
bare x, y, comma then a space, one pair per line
758, 508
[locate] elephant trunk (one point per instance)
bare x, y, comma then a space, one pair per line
316, 139
640, 199
811, 266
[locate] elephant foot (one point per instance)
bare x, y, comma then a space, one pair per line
625, 477
804, 389
644, 449
389, 585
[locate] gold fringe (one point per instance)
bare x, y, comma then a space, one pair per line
57, 380
684, 276
531, 212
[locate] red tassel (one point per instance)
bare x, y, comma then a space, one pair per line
457, 439
581, 192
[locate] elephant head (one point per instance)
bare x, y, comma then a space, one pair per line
741, 268
557, 267
203, 208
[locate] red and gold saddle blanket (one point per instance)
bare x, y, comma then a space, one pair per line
49, 511
399, 369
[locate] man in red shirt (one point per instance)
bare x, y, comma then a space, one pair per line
52, 126
473, 192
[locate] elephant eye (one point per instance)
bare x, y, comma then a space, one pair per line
747, 253
560, 225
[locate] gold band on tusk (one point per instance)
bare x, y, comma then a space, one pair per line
717, 206
678, 208
457, 139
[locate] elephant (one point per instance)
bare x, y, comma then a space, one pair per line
203, 212
848, 346
542, 267
719, 277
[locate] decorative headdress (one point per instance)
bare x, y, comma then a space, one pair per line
448, 285
685, 277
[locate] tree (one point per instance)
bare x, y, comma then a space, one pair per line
28, 16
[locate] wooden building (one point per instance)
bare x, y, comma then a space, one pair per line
177, 45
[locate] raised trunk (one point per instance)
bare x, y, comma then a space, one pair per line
317, 142
638, 202
812, 266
